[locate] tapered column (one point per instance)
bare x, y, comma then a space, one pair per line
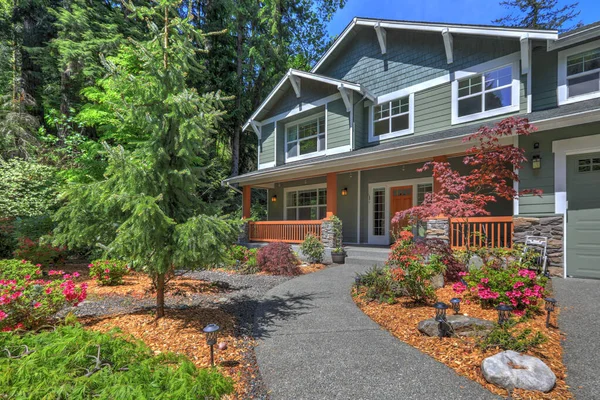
246, 201
331, 194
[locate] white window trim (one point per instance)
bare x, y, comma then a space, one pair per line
301, 121
511, 60
385, 239
404, 132
562, 90
300, 188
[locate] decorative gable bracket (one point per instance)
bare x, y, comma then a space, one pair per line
256, 128
448, 45
525, 54
345, 96
296, 81
381, 37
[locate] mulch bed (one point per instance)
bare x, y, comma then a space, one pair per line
462, 354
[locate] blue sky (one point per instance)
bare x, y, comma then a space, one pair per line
457, 11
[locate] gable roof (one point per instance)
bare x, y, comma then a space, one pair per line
586, 32
440, 27
294, 73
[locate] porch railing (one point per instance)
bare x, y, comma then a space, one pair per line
477, 232
283, 231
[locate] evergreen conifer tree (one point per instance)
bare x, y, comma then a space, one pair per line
539, 14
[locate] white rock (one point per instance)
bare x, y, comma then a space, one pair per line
511, 370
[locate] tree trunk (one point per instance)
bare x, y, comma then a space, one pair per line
237, 131
160, 296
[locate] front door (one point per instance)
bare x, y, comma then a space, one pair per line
401, 198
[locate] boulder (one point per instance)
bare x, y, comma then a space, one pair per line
437, 281
511, 370
475, 262
461, 325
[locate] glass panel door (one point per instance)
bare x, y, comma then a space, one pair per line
379, 212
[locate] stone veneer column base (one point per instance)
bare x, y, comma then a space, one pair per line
327, 234
438, 229
550, 227
244, 235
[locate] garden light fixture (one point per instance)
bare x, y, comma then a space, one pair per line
550, 305
274, 198
345, 192
211, 339
357, 281
455, 301
440, 317
504, 312
536, 162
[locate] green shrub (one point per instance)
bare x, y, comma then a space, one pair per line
242, 259
416, 276
54, 365
379, 284
506, 337
108, 272
8, 242
40, 253
313, 249
17, 269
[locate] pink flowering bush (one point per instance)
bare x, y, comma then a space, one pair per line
108, 272
521, 288
27, 300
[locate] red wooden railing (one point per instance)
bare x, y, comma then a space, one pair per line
477, 232
283, 231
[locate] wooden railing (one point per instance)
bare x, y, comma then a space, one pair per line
283, 231
477, 232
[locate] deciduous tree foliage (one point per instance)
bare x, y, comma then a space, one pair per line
493, 169
147, 209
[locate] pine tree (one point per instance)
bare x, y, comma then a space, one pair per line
539, 14
147, 209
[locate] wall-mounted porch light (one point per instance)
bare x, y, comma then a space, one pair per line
274, 198
345, 192
536, 161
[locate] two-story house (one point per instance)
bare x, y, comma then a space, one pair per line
347, 137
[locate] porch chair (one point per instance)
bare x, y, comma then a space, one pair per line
539, 244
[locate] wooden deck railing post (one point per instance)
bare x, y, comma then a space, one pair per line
283, 231
493, 232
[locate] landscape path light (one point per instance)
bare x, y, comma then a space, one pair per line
550, 305
504, 312
211, 339
455, 301
440, 317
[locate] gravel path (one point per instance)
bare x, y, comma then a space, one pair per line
578, 300
315, 343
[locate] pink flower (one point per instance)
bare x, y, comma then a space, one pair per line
518, 285
48, 290
3, 315
75, 274
459, 287
107, 271
38, 272
90, 265
27, 277
37, 305
484, 280
463, 273
38, 265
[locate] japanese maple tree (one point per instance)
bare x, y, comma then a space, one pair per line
493, 168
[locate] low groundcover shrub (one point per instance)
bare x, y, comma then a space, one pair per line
108, 272
313, 249
73, 363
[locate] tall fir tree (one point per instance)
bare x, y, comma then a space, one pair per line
539, 14
147, 209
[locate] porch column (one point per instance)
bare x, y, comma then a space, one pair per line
247, 190
436, 183
331, 194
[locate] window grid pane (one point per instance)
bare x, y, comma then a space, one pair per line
583, 62
306, 138
379, 212
423, 189
391, 116
495, 94
306, 204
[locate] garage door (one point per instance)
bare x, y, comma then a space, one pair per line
583, 215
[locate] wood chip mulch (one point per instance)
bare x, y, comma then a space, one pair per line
461, 354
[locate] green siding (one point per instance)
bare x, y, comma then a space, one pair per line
360, 131
544, 81
347, 205
543, 178
433, 109
267, 145
338, 124
310, 92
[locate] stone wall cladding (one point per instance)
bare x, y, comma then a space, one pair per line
327, 234
438, 229
550, 227
244, 235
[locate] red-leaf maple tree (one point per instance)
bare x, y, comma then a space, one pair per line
493, 169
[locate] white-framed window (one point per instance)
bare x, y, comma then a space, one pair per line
422, 190
305, 138
579, 73
391, 119
306, 203
491, 89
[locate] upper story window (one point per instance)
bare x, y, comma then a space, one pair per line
484, 94
392, 118
579, 73
305, 137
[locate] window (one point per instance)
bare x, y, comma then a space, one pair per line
422, 189
588, 165
379, 211
305, 137
309, 204
489, 91
583, 73
391, 117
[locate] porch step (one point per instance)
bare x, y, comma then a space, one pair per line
365, 261
367, 255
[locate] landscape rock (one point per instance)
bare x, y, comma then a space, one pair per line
511, 370
461, 325
475, 263
437, 281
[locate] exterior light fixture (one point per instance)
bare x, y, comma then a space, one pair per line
504, 312
211, 339
357, 281
274, 198
345, 192
550, 305
440, 317
455, 302
536, 162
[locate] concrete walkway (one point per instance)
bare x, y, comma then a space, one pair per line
314, 343
579, 300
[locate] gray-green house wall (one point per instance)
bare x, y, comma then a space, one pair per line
310, 92
543, 178
411, 58
544, 72
338, 124
267, 144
